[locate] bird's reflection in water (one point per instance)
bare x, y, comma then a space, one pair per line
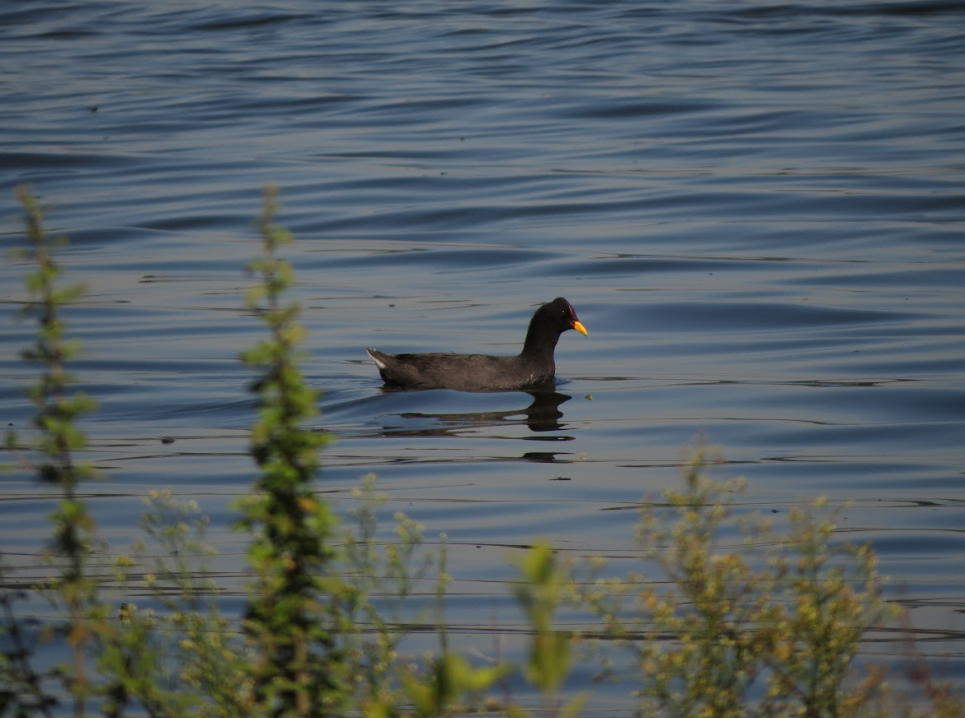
541, 416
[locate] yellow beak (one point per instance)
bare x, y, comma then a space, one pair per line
578, 326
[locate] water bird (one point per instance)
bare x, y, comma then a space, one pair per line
534, 366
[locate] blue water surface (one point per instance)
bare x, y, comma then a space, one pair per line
757, 209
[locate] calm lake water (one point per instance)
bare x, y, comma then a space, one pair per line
757, 209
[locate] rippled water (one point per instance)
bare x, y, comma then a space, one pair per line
757, 210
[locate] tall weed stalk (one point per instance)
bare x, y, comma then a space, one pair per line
58, 407
290, 616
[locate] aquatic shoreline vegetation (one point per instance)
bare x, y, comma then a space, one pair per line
774, 624
767, 625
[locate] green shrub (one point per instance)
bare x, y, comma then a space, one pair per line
769, 628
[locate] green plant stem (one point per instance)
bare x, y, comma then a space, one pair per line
289, 617
74, 528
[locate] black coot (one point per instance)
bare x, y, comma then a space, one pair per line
481, 372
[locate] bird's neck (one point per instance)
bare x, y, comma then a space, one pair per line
540, 340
